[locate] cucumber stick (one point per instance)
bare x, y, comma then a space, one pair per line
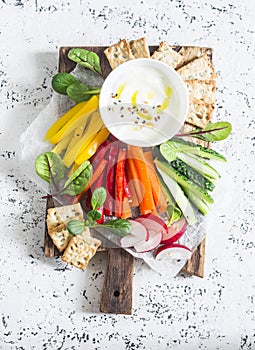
176, 212
172, 150
198, 150
187, 185
193, 175
178, 194
200, 166
200, 204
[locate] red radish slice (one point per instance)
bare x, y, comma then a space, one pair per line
175, 231
152, 243
153, 222
173, 252
139, 234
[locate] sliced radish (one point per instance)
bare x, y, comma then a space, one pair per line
139, 234
152, 243
173, 252
153, 222
175, 231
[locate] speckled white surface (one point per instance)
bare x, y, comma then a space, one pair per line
43, 304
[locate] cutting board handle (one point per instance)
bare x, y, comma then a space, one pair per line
117, 293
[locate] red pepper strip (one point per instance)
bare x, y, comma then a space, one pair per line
119, 182
100, 154
88, 199
110, 179
101, 220
125, 185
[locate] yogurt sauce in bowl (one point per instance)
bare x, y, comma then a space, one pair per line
143, 102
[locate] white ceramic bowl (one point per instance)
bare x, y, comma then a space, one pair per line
143, 102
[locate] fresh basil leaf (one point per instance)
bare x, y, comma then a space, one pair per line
98, 198
78, 92
61, 81
85, 58
94, 215
79, 180
75, 227
50, 167
119, 227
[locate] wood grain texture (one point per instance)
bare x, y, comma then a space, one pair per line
49, 248
117, 293
195, 266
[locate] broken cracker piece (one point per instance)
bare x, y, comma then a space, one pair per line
139, 48
201, 68
200, 113
118, 53
60, 236
80, 250
167, 55
190, 53
59, 215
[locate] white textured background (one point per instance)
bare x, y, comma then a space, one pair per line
43, 304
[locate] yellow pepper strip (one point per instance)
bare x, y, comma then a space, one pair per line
84, 147
93, 146
77, 135
62, 145
63, 120
83, 113
95, 124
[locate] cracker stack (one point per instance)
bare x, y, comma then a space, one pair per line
78, 250
199, 75
57, 219
124, 51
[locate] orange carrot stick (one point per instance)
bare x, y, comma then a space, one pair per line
158, 195
154, 181
134, 177
126, 211
147, 203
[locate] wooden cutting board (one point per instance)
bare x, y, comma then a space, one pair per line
117, 290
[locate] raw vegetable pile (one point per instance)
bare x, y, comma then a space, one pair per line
152, 192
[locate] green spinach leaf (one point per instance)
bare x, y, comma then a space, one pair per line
75, 227
212, 132
61, 81
79, 92
119, 227
98, 198
50, 167
79, 180
86, 59
94, 215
